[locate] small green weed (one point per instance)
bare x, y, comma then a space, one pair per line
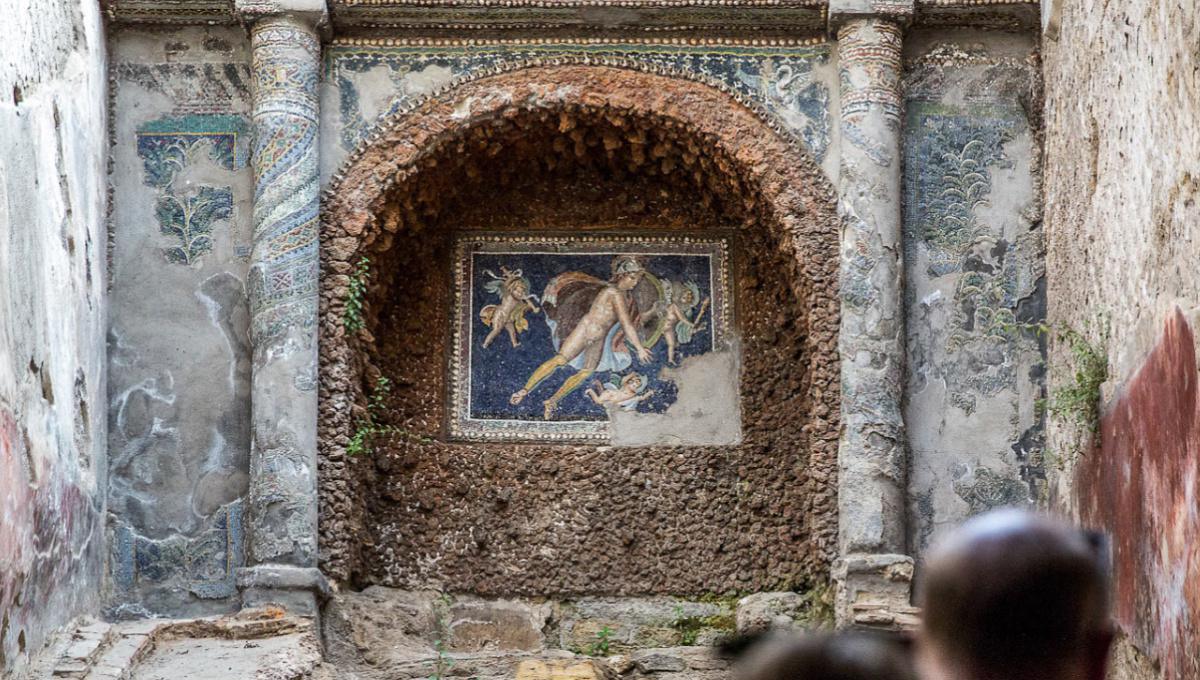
443, 663
356, 297
602, 643
368, 429
1079, 400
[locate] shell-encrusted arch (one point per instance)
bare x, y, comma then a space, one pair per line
795, 202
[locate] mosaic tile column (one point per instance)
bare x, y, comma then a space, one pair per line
282, 513
872, 458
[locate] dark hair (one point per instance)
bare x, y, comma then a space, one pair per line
1021, 601
846, 656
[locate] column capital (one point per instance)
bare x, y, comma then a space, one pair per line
313, 12
843, 11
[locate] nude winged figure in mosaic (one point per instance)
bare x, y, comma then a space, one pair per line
509, 313
585, 314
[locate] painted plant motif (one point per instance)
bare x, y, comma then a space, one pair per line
613, 316
953, 157
188, 215
189, 218
965, 185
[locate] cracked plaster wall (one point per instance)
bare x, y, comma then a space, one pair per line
1122, 191
52, 311
179, 356
975, 280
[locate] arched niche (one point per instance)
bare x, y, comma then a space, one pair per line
593, 147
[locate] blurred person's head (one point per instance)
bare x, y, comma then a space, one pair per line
1014, 595
847, 656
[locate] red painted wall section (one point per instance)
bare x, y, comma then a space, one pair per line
47, 528
1141, 484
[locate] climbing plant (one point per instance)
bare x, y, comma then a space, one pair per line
352, 318
367, 430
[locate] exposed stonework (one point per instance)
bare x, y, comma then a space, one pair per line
386, 633
262, 644
1122, 213
664, 117
53, 150
874, 592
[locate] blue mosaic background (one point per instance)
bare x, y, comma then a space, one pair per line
501, 369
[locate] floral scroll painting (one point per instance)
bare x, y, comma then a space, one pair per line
553, 334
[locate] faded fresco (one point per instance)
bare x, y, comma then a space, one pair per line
179, 355
975, 283
186, 215
552, 334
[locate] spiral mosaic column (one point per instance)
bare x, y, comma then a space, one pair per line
282, 522
874, 572
872, 457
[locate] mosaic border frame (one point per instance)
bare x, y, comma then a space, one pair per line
460, 426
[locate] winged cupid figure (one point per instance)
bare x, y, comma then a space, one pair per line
585, 315
509, 313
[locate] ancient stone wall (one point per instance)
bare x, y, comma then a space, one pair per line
975, 292
52, 314
179, 356
1123, 162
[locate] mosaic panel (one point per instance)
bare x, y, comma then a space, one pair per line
186, 215
206, 565
283, 280
975, 295
551, 333
786, 79
952, 157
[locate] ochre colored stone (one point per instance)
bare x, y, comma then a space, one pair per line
568, 669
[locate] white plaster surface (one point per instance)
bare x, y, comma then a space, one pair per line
52, 316
706, 411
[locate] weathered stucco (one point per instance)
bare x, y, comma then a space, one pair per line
52, 312
1142, 482
179, 353
975, 293
1122, 169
